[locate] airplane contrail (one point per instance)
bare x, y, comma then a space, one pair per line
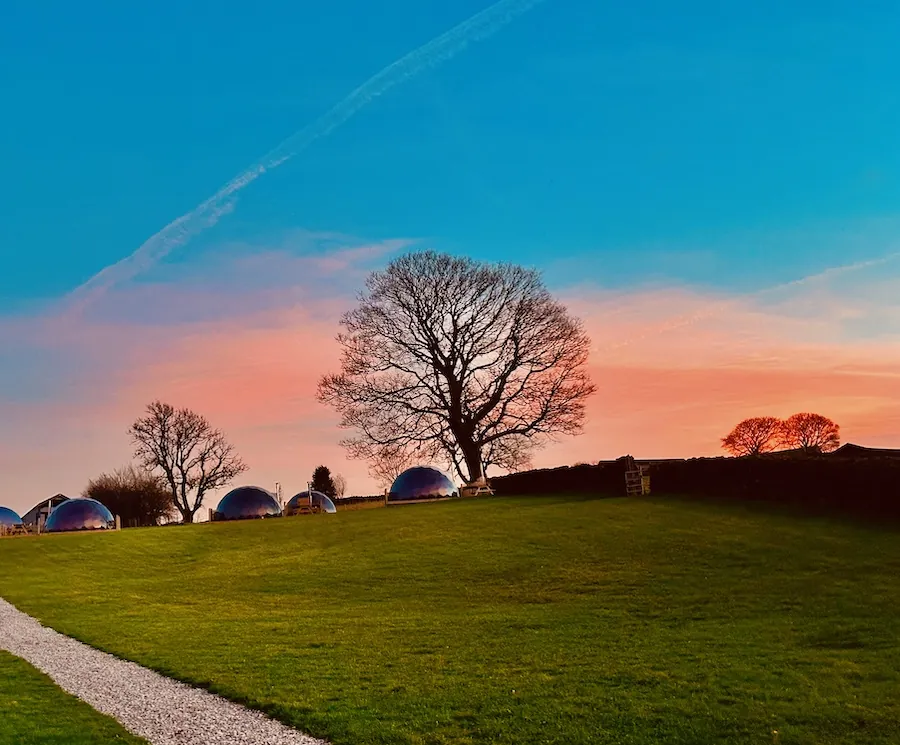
205, 215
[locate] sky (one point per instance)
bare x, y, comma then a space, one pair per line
714, 190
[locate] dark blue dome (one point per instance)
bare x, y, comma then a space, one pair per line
9, 517
421, 484
79, 514
247, 503
319, 502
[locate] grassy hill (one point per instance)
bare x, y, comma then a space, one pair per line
530, 620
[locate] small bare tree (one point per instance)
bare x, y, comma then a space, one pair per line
445, 356
761, 434
340, 485
192, 456
810, 432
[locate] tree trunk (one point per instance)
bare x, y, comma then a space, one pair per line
472, 455
187, 516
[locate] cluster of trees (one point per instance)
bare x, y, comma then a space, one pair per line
765, 434
445, 360
181, 458
330, 486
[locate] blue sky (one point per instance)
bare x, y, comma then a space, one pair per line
674, 139
706, 185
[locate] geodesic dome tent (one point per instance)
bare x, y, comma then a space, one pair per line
309, 502
79, 514
247, 503
421, 484
9, 518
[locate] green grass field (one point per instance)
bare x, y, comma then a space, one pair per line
33, 711
532, 620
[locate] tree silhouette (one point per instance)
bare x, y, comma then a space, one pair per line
761, 434
443, 357
811, 432
191, 456
322, 481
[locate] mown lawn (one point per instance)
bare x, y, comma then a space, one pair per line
33, 711
532, 620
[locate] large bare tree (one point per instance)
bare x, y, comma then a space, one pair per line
759, 434
192, 456
449, 358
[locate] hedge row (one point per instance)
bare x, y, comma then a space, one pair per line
357, 500
602, 478
861, 486
868, 487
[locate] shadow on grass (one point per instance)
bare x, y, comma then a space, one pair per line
764, 506
535, 500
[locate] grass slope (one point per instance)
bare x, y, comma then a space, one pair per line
33, 711
535, 620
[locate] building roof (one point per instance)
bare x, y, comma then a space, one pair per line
858, 451
40, 509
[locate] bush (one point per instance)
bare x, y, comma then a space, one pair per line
139, 498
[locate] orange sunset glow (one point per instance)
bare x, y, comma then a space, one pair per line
675, 369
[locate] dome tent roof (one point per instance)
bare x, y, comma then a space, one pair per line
9, 518
421, 484
316, 501
247, 503
79, 514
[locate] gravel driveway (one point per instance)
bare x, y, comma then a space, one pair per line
161, 710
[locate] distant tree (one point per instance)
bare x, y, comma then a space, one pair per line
340, 485
138, 497
811, 433
191, 456
444, 356
761, 434
322, 481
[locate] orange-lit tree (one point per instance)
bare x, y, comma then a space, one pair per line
761, 434
811, 433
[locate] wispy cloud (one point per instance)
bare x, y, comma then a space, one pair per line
208, 213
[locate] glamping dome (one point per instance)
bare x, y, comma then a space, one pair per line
79, 514
9, 518
247, 503
306, 502
421, 484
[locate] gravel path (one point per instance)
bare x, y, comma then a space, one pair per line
161, 710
